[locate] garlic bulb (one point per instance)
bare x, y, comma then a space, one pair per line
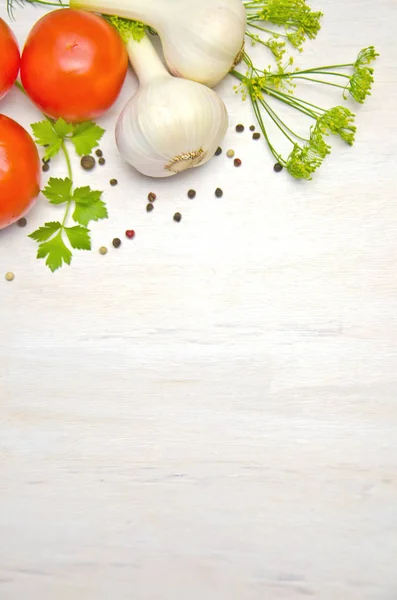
202, 39
171, 124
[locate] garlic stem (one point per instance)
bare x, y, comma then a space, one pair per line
145, 61
147, 11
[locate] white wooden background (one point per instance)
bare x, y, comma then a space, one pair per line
209, 412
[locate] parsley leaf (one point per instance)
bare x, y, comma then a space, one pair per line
56, 252
62, 128
79, 237
58, 190
89, 206
45, 135
86, 137
44, 233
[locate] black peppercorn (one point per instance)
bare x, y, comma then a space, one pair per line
88, 162
101, 161
277, 167
218, 151
191, 194
252, 127
177, 217
99, 152
218, 193
45, 167
22, 222
116, 242
239, 128
113, 182
149, 207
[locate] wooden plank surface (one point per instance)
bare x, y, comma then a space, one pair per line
210, 411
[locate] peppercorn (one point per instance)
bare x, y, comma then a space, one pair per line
151, 197
130, 233
101, 161
237, 162
277, 167
103, 250
252, 127
87, 162
218, 151
230, 153
191, 194
45, 167
149, 207
99, 152
22, 222
256, 136
239, 128
218, 193
116, 242
10, 276
113, 182
177, 217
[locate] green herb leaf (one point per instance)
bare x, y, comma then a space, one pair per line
58, 190
44, 233
45, 135
62, 128
86, 137
89, 206
56, 252
79, 237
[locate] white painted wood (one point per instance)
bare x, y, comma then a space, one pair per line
210, 411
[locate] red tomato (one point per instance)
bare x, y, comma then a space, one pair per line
9, 58
19, 171
73, 65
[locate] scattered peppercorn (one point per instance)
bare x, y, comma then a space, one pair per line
116, 242
239, 128
87, 162
101, 161
45, 167
151, 197
218, 151
103, 250
191, 194
22, 222
256, 136
218, 193
252, 127
277, 167
237, 162
130, 233
149, 207
177, 217
230, 153
10, 276
113, 182
99, 152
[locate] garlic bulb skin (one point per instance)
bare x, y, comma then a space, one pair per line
210, 46
202, 39
171, 124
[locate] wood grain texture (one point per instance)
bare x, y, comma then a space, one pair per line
210, 412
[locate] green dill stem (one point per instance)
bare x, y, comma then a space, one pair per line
254, 26
70, 175
320, 81
20, 87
